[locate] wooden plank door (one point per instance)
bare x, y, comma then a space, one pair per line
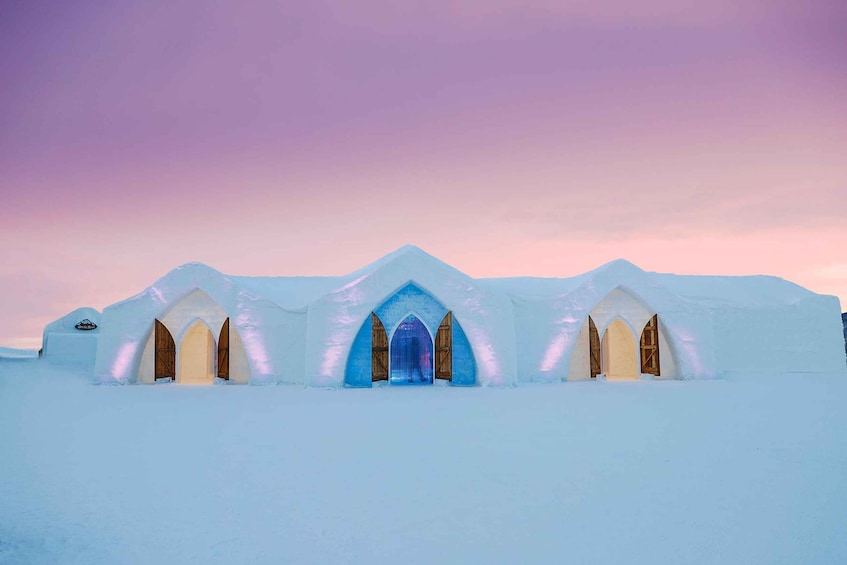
223, 352
165, 356
650, 347
379, 350
444, 349
594, 347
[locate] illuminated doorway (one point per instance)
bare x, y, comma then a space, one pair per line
411, 353
196, 356
620, 355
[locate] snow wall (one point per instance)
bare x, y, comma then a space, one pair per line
803, 337
486, 318
271, 337
505, 331
553, 332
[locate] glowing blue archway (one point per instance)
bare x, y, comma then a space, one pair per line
411, 353
409, 300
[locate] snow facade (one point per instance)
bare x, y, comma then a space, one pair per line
73, 338
409, 316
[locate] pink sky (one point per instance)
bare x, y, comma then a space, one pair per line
506, 138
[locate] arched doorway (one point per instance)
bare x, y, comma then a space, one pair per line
452, 359
411, 353
620, 355
195, 363
159, 361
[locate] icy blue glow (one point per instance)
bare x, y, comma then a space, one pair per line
411, 353
409, 300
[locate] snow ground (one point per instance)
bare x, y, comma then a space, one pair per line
745, 470
11, 353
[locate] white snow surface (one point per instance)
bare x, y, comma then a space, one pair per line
291, 293
13, 353
741, 470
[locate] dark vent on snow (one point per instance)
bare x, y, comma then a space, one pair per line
86, 324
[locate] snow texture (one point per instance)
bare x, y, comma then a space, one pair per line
63, 343
12, 353
303, 330
740, 470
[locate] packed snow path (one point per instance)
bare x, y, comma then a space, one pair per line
748, 470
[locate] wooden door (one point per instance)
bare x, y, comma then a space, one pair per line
650, 347
594, 347
444, 349
223, 352
165, 356
379, 350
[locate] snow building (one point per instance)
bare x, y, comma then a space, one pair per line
409, 318
72, 338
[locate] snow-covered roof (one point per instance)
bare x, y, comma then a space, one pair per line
291, 293
298, 292
532, 287
753, 291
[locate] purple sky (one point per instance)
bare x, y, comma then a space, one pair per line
507, 138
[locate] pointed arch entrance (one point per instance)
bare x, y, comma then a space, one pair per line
411, 353
195, 360
619, 355
622, 319
160, 357
450, 356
